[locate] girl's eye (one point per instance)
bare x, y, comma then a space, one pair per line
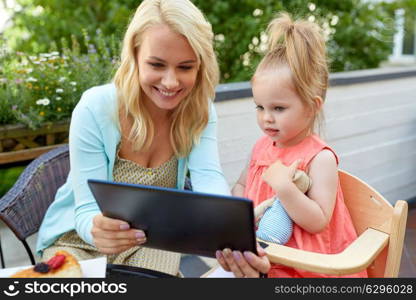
279, 108
259, 107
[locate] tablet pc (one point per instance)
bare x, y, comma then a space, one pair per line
179, 221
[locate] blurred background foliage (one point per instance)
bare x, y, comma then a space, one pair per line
52, 50
359, 32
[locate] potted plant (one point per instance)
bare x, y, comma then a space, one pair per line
38, 93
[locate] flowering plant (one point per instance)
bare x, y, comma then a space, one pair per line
41, 88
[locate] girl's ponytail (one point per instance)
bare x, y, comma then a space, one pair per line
300, 46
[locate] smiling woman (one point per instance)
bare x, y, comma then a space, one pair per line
152, 125
168, 68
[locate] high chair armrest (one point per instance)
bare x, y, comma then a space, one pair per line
356, 257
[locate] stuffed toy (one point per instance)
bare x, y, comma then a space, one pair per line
272, 221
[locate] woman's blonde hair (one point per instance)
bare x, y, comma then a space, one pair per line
300, 46
190, 117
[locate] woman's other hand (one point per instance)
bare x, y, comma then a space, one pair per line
112, 236
244, 265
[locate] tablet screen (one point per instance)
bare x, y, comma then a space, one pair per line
179, 221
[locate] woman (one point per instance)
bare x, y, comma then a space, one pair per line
155, 122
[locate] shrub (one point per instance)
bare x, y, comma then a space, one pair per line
35, 89
359, 31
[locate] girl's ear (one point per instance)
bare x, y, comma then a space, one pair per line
318, 103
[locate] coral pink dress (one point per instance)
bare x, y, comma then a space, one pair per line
340, 231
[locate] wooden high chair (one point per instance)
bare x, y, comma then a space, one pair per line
380, 228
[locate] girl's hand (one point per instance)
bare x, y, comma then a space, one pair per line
260, 209
278, 176
244, 265
112, 236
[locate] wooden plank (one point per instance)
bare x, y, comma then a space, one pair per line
22, 155
18, 147
15, 131
50, 139
28, 142
356, 257
370, 121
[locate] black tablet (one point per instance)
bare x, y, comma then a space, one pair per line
179, 221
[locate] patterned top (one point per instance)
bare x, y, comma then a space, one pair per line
164, 175
128, 171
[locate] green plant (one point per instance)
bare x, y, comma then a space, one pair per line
8, 177
359, 32
35, 89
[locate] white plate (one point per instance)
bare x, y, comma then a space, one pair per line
91, 268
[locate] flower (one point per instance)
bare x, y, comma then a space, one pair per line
42, 113
73, 83
59, 109
58, 98
59, 91
62, 79
31, 79
44, 101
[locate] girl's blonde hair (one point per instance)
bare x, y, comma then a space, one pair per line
300, 46
190, 117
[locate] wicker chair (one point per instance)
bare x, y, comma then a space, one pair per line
25, 204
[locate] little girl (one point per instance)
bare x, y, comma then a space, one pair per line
289, 88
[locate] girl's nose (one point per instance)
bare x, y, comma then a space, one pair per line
267, 117
170, 80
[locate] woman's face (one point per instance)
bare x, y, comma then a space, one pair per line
168, 68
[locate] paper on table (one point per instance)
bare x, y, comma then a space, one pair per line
219, 272
91, 268
94, 268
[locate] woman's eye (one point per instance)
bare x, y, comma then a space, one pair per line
185, 67
156, 65
259, 107
279, 108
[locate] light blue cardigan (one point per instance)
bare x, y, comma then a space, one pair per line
93, 138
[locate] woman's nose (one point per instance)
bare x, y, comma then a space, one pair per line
170, 80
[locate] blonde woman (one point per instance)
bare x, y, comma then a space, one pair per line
150, 126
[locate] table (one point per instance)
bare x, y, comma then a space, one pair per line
119, 271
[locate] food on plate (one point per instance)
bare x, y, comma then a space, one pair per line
62, 265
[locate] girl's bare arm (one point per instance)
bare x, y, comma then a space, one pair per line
312, 211
240, 185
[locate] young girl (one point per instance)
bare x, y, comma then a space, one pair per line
289, 88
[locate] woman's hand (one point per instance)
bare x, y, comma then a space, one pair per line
244, 265
112, 236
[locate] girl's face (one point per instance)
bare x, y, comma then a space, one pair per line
280, 112
168, 68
